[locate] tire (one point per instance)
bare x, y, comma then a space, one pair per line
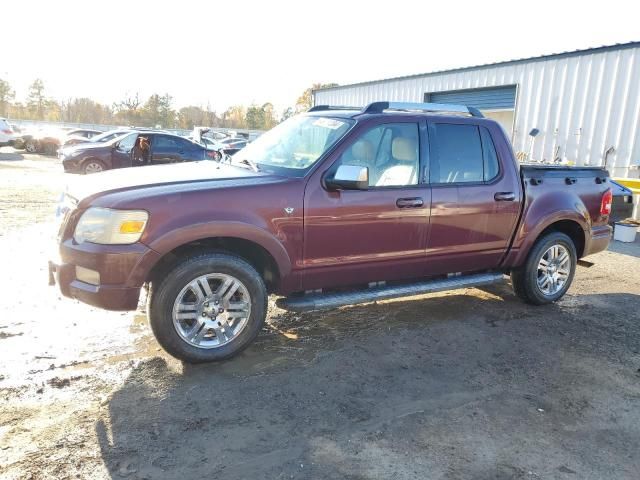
538, 284
93, 166
217, 337
30, 146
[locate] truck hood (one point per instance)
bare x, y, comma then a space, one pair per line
81, 187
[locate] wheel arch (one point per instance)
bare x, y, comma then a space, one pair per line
571, 225
571, 229
254, 253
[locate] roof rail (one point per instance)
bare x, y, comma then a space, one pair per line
320, 108
379, 107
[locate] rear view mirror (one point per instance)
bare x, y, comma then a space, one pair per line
349, 177
534, 132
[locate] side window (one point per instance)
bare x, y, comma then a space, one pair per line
390, 152
126, 144
183, 144
491, 166
456, 153
164, 143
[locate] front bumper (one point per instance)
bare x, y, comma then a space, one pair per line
70, 165
123, 270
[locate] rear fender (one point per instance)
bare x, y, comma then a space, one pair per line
539, 214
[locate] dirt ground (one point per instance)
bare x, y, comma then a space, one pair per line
471, 384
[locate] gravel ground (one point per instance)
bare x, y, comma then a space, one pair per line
458, 385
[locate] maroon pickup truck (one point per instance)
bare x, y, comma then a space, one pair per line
332, 207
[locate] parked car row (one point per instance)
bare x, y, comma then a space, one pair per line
132, 148
49, 140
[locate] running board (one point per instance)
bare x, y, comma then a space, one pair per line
319, 301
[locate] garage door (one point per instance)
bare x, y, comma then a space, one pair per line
493, 98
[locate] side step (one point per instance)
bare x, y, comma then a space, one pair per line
319, 301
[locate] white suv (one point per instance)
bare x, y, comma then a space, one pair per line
7, 136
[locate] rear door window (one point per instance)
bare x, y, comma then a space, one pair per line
456, 153
164, 144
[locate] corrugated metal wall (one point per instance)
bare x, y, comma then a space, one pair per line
582, 104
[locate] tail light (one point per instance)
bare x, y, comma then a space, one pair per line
212, 155
8, 132
605, 204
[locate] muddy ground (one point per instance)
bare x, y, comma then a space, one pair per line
468, 384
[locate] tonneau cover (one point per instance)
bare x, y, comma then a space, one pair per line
556, 171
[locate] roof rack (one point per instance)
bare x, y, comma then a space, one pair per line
320, 108
379, 107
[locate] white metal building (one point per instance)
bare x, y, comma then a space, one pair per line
584, 103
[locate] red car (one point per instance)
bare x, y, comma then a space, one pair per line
48, 141
352, 205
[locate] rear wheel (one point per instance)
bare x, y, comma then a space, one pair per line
93, 166
208, 308
548, 271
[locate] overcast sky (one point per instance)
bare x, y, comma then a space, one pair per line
239, 52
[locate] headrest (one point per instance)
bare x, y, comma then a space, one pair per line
404, 149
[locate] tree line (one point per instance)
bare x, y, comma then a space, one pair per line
156, 111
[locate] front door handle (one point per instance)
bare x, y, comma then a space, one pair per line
409, 202
504, 197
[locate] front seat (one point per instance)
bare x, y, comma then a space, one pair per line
405, 157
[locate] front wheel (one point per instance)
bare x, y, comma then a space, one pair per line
208, 308
548, 271
93, 166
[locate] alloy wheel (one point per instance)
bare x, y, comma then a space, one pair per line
93, 167
211, 310
554, 268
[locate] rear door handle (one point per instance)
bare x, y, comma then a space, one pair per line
409, 202
504, 197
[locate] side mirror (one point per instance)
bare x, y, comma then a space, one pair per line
349, 177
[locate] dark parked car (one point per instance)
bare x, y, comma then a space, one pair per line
95, 157
392, 200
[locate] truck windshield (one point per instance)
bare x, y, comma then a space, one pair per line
295, 145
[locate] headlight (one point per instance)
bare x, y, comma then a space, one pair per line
110, 227
75, 153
